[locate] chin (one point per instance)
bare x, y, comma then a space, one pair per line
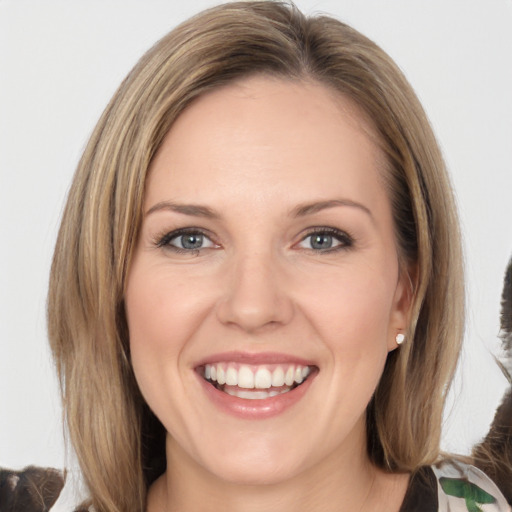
255, 472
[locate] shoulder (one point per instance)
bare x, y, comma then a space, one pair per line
464, 488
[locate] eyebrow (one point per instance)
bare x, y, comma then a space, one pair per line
301, 210
194, 210
311, 208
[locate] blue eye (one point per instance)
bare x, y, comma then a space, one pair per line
185, 241
190, 241
326, 240
321, 241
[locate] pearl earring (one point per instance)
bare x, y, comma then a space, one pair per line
400, 338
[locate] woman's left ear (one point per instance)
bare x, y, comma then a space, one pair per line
402, 307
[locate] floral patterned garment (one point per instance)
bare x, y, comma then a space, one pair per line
453, 486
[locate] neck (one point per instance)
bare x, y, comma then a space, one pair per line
345, 478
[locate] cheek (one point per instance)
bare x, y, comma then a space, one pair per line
162, 313
160, 321
162, 308
147, 314
351, 314
352, 308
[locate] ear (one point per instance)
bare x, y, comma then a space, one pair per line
403, 299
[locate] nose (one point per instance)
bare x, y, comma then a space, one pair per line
255, 294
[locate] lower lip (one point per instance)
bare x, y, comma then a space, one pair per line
255, 409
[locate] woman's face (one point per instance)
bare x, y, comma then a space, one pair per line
265, 294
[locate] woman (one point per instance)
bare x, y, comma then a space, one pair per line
256, 300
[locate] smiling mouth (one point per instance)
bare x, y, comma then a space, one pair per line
255, 382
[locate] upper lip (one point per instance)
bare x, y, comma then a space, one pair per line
251, 358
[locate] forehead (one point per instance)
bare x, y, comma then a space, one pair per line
300, 133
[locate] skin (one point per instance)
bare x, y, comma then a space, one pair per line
254, 152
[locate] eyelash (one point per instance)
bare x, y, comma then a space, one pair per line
345, 240
164, 241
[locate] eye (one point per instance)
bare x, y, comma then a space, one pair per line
186, 241
326, 240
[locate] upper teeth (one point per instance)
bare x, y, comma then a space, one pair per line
255, 377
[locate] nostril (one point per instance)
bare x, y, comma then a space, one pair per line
253, 314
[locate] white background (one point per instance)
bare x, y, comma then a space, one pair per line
61, 61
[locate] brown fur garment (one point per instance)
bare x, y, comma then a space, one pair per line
494, 454
31, 490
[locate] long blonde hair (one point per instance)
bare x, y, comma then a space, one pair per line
119, 443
